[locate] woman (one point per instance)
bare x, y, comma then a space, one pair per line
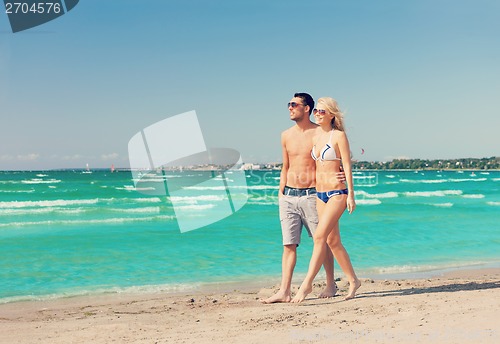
330, 150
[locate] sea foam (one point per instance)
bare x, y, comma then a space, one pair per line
390, 194
60, 203
439, 193
368, 201
473, 196
442, 205
116, 220
40, 181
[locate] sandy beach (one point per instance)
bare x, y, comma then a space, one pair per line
459, 307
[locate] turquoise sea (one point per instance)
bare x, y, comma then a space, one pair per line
66, 233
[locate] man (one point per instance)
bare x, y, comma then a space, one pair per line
297, 195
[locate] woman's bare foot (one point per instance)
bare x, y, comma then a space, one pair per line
330, 291
280, 296
353, 286
302, 293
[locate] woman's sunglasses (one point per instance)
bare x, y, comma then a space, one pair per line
320, 112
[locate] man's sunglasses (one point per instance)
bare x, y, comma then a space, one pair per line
294, 104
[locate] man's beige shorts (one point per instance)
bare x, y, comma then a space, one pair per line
295, 212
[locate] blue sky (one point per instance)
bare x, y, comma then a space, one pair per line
416, 79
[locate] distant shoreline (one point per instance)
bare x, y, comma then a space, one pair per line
121, 170
492, 163
462, 164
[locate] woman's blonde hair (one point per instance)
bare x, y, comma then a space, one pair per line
332, 107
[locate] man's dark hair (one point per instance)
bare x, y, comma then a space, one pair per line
307, 99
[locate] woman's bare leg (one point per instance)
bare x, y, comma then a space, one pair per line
343, 260
329, 215
331, 287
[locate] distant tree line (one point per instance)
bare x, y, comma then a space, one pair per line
422, 164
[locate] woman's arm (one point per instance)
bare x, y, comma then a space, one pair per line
345, 155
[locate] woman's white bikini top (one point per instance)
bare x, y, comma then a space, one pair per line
327, 153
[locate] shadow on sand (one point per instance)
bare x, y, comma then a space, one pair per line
448, 288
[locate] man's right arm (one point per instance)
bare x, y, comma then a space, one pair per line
341, 175
286, 165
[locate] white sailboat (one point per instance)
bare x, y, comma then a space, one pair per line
87, 169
